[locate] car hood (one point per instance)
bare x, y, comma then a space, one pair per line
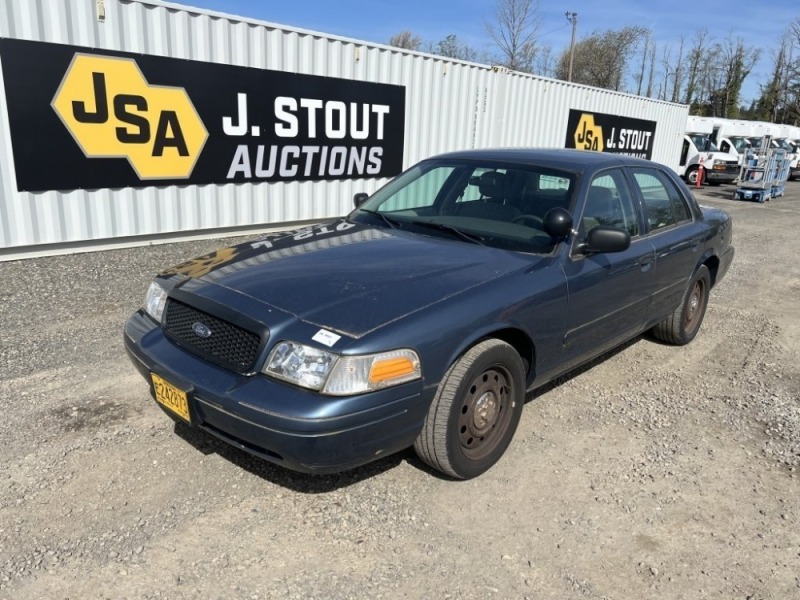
348, 277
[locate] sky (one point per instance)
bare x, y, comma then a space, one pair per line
758, 23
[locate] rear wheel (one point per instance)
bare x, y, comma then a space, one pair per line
682, 326
475, 412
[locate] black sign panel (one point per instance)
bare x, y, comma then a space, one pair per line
610, 133
86, 118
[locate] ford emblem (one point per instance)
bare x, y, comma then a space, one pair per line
201, 329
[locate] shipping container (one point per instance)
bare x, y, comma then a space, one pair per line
137, 121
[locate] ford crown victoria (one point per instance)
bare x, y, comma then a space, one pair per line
424, 316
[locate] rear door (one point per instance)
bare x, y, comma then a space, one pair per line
675, 235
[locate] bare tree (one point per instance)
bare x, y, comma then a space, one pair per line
639, 77
666, 64
514, 32
601, 59
674, 72
678, 74
652, 75
407, 40
696, 59
769, 103
736, 63
451, 47
544, 63
791, 105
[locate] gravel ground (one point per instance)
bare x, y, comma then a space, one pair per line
654, 472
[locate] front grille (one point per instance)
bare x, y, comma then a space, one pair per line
228, 345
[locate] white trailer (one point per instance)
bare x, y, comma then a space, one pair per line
270, 127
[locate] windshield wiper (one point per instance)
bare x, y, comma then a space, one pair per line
388, 220
465, 235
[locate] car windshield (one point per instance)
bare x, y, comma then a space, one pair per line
493, 204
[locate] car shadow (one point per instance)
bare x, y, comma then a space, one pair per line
720, 193
570, 375
304, 483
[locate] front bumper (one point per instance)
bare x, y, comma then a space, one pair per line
284, 424
720, 176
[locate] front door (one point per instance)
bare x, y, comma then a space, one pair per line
609, 293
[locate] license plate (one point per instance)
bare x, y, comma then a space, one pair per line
170, 397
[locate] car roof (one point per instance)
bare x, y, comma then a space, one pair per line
556, 158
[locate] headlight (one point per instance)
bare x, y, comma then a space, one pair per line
302, 365
155, 300
336, 375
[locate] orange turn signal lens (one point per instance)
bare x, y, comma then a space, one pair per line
390, 368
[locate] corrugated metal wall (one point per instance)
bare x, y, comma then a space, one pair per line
449, 105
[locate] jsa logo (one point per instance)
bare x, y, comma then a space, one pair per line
588, 136
112, 112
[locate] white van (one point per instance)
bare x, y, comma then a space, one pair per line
719, 167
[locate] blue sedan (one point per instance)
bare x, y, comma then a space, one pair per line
423, 317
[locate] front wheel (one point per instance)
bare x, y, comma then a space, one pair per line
682, 326
475, 412
691, 176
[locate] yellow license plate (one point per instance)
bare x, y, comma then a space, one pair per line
171, 397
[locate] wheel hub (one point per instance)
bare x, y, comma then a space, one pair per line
693, 303
485, 411
693, 306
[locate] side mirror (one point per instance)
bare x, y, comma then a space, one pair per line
558, 222
360, 198
606, 239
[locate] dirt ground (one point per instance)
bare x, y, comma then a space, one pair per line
657, 472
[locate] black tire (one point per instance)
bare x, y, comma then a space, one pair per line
691, 176
682, 326
475, 412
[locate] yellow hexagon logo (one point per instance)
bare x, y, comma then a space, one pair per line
112, 112
203, 265
588, 136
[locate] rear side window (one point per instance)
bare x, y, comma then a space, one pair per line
664, 204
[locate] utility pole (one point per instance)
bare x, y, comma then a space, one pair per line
572, 17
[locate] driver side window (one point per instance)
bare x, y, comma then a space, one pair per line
609, 202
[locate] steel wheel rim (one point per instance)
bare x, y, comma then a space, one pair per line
485, 412
694, 305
